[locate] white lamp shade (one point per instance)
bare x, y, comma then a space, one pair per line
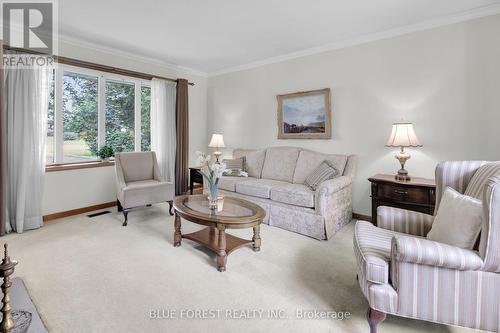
403, 135
217, 141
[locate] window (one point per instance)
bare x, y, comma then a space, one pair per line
89, 109
120, 107
145, 118
49, 143
80, 112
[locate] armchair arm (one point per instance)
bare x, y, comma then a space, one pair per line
328, 188
120, 179
405, 221
426, 252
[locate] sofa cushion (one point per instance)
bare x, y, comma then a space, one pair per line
234, 166
326, 170
293, 194
280, 163
372, 247
258, 187
228, 183
254, 160
308, 161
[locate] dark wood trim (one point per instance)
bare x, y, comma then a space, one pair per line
98, 67
78, 165
78, 211
361, 217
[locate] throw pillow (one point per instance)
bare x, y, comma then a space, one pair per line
236, 165
324, 171
458, 220
476, 184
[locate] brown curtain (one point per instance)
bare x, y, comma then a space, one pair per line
3, 151
182, 137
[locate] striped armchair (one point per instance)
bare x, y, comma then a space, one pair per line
402, 273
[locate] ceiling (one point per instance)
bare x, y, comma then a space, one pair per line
217, 35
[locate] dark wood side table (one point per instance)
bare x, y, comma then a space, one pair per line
194, 177
418, 194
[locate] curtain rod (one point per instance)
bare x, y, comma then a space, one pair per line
98, 67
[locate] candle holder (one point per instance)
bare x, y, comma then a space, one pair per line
6, 270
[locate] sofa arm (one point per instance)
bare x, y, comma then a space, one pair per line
405, 221
327, 189
426, 252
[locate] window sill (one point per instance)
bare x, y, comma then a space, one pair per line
80, 165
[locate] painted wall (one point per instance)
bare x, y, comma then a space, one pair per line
66, 190
445, 80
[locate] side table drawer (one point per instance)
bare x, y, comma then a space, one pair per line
403, 193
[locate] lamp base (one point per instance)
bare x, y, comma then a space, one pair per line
402, 176
217, 154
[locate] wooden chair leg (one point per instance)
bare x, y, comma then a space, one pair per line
125, 214
119, 205
374, 318
170, 203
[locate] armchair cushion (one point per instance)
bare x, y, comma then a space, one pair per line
426, 252
145, 192
405, 221
458, 220
137, 166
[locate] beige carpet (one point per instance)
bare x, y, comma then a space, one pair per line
93, 275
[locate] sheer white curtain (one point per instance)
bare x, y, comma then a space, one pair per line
26, 95
163, 94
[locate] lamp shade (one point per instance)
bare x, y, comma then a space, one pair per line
403, 135
217, 141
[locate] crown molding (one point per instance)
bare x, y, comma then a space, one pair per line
128, 55
426, 25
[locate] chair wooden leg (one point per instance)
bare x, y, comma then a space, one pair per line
170, 203
374, 318
119, 205
125, 214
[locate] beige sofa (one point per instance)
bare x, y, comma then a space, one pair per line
275, 182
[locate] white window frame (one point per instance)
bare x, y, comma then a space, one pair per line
101, 104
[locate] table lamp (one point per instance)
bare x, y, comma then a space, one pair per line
403, 135
217, 142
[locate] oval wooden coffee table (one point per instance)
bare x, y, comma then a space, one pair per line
234, 213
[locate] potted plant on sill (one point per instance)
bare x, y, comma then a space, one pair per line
105, 153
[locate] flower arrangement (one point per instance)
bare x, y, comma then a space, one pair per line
211, 173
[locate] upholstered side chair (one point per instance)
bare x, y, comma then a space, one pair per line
139, 182
402, 273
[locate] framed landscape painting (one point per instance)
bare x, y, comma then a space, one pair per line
305, 115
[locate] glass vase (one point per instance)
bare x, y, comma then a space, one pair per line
212, 199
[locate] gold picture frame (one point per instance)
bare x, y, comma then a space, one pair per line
305, 115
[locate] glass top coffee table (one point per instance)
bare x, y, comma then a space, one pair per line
232, 213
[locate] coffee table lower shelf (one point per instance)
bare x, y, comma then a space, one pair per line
209, 237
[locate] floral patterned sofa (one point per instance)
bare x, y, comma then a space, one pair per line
275, 182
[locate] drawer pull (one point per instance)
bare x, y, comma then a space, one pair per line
400, 192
